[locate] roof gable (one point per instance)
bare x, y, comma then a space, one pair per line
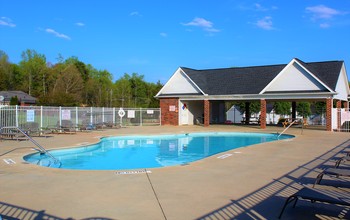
295, 78
342, 86
179, 83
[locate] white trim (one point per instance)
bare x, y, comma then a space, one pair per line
286, 67
345, 81
269, 96
160, 91
193, 82
179, 70
329, 89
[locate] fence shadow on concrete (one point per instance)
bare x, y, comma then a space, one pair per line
14, 212
266, 202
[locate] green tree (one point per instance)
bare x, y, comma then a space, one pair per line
282, 108
303, 109
153, 89
14, 100
254, 107
33, 66
5, 71
320, 107
81, 67
68, 87
122, 91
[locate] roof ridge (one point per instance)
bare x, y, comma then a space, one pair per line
258, 66
243, 67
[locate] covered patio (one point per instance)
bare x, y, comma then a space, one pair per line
191, 96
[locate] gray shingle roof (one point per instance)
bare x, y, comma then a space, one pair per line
22, 96
252, 80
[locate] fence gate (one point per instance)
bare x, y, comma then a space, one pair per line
343, 120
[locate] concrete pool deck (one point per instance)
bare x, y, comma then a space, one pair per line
252, 183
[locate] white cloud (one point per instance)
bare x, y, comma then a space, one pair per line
163, 34
325, 25
322, 12
202, 23
4, 21
265, 23
135, 13
259, 7
55, 33
80, 24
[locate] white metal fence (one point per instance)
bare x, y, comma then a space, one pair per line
341, 120
45, 116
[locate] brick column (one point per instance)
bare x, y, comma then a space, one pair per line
338, 114
346, 106
170, 111
206, 113
329, 106
262, 113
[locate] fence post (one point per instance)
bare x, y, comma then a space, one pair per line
90, 115
103, 115
60, 115
16, 115
113, 120
140, 116
76, 117
41, 116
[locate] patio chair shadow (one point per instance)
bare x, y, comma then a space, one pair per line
267, 201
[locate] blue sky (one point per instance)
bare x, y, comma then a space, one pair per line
155, 37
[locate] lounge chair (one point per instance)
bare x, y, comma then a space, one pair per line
318, 195
342, 160
332, 172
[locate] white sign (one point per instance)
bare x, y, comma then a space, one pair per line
65, 115
150, 112
30, 115
131, 114
172, 108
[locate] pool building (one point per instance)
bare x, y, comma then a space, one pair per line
191, 94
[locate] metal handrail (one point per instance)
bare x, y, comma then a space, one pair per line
42, 150
287, 128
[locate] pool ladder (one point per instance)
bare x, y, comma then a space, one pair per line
287, 128
41, 149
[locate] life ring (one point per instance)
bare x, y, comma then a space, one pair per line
121, 113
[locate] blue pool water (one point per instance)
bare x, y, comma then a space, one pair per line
136, 152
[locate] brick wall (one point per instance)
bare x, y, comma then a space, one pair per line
170, 111
263, 113
329, 106
206, 112
338, 114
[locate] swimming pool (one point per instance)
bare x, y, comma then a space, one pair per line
136, 152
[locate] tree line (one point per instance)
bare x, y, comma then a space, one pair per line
71, 82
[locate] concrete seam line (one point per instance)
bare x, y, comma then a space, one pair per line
155, 194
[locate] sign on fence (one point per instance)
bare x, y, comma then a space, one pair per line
30, 115
66, 115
